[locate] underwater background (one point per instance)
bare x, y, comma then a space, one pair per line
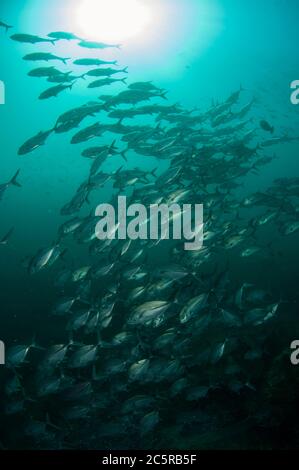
221, 378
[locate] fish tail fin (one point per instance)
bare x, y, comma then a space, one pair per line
7, 27
112, 146
55, 127
6, 237
124, 80
82, 76
125, 70
34, 344
254, 168
154, 172
123, 155
64, 252
50, 424
53, 41
65, 60
253, 226
163, 95
118, 171
14, 181
87, 200
114, 62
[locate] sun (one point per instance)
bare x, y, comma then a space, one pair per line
112, 20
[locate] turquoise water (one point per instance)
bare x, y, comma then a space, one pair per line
201, 52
